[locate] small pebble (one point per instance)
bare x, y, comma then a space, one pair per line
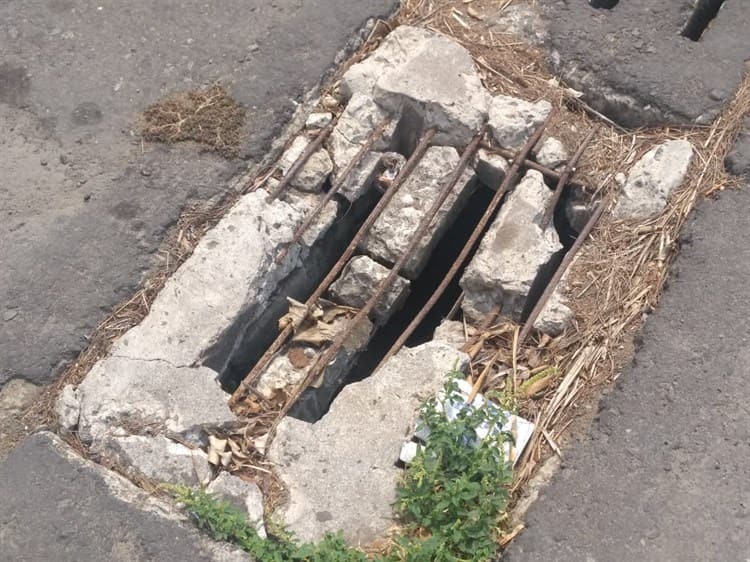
10, 314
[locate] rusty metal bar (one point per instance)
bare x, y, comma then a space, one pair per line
294, 169
564, 264
343, 175
473, 239
263, 362
424, 223
570, 168
527, 163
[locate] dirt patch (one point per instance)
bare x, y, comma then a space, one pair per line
208, 116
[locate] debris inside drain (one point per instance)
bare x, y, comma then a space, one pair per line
464, 400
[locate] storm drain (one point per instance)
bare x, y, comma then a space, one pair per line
401, 273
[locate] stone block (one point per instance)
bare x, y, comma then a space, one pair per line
513, 121
314, 172
490, 168
394, 228
552, 153
513, 252
556, 315
229, 277
653, 179
121, 394
430, 73
360, 118
157, 458
358, 282
340, 472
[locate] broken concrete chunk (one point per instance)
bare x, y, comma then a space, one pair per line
318, 120
244, 495
358, 282
512, 254
556, 315
431, 74
227, 280
552, 153
390, 235
452, 332
355, 125
344, 479
121, 393
314, 172
653, 178
68, 408
490, 168
513, 121
157, 458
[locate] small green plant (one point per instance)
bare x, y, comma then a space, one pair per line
451, 499
456, 487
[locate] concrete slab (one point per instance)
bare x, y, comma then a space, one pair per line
85, 203
636, 67
662, 474
56, 506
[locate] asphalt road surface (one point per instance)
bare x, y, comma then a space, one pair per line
84, 202
663, 473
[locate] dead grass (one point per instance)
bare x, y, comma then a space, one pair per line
208, 116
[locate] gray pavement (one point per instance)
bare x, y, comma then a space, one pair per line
57, 507
636, 49
663, 473
84, 203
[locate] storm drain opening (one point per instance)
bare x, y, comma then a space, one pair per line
603, 4
402, 272
703, 14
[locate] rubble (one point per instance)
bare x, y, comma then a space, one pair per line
358, 282
556, 315
552, 153
157, 458
318, 120
490, 168
121, 393
355, 125
229, 276
313, 173
327, 464
392, 231
513, 121
513, 252
431, 74
652, 180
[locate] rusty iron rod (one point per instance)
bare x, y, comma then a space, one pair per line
564, 264
473, 239
294, 169
527, 163
265, 359
421, 230
569, 170
342, 177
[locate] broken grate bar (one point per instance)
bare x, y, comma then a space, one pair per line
564, 264
530, 164
343, 176
407, 169
424, 223
518, 161
569, 170
301, 160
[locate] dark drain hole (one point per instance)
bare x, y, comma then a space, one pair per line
704, 13
603, 4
